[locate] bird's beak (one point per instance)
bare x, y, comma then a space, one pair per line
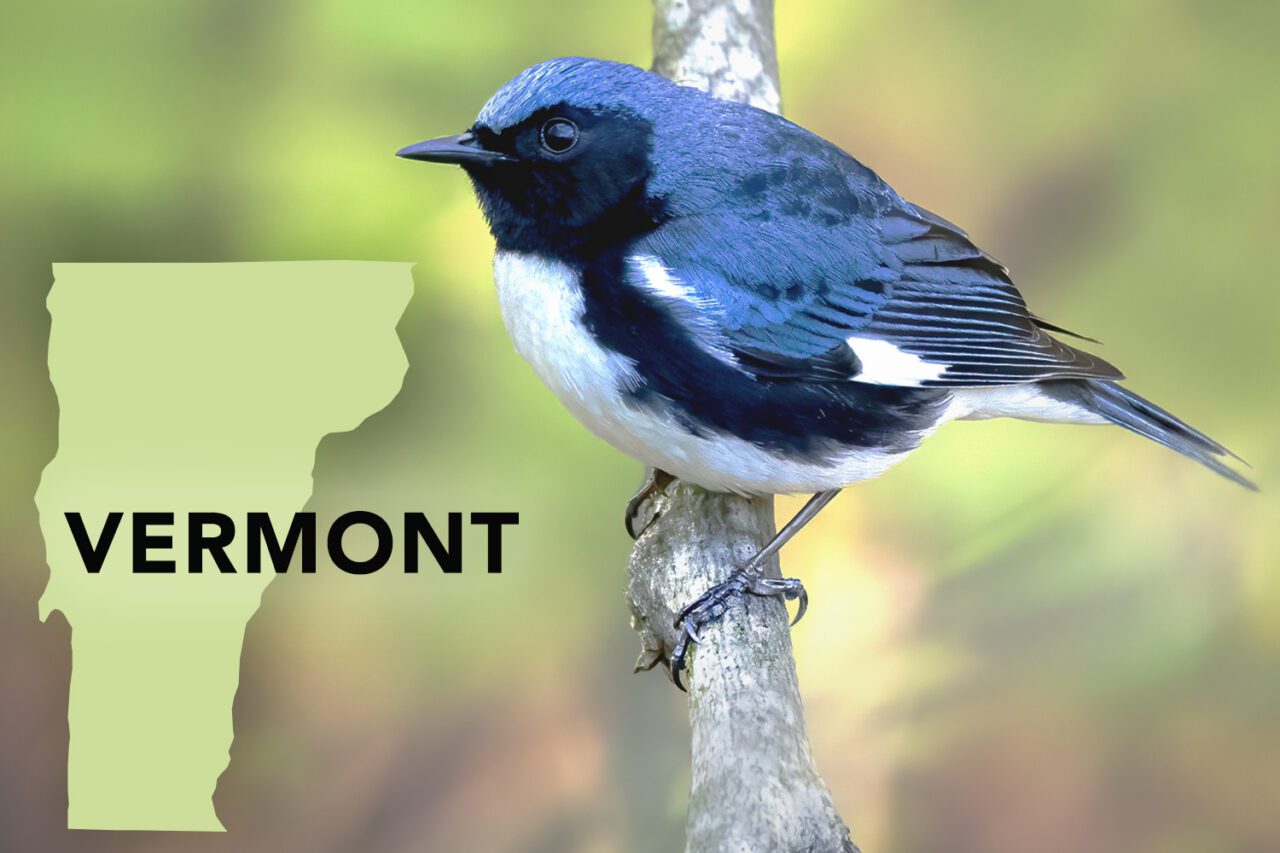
463, 148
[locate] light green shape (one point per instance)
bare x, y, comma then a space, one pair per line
189, 387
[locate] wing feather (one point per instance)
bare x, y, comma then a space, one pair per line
791, 304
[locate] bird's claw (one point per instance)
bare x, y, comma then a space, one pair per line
711, 606
656, 481
631, 521
790, 589
678, 657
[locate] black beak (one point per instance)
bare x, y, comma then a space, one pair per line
463, 148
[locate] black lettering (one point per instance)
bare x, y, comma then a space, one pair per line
93, 555
495, 521
260, 530
144, 541
448, 557
380, 555
216, 544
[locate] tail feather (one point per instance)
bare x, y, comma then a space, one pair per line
1124, 408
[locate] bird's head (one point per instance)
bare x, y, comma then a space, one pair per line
575, 153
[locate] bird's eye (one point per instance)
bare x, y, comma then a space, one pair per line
559, 135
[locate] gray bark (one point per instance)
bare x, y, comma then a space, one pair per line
754, 785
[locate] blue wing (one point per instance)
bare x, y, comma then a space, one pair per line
818, 289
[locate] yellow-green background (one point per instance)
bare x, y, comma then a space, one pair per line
1026, 638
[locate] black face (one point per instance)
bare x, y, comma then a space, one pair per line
572, 181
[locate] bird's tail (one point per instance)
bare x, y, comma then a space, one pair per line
1124, 408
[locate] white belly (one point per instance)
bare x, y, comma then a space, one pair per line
542, 307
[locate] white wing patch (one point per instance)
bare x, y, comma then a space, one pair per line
885, 364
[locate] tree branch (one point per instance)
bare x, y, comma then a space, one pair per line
754, 786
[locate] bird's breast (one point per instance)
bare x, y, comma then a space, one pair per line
542, 306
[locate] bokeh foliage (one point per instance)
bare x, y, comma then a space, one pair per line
1025, 638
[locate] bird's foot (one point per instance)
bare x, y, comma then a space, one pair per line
712, 605
655, 481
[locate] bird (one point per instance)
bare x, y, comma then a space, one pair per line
740, 304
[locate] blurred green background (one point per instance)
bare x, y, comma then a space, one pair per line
1026, 638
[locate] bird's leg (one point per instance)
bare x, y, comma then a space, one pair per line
714, 603
655, 481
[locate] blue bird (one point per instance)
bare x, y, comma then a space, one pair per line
738, 303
